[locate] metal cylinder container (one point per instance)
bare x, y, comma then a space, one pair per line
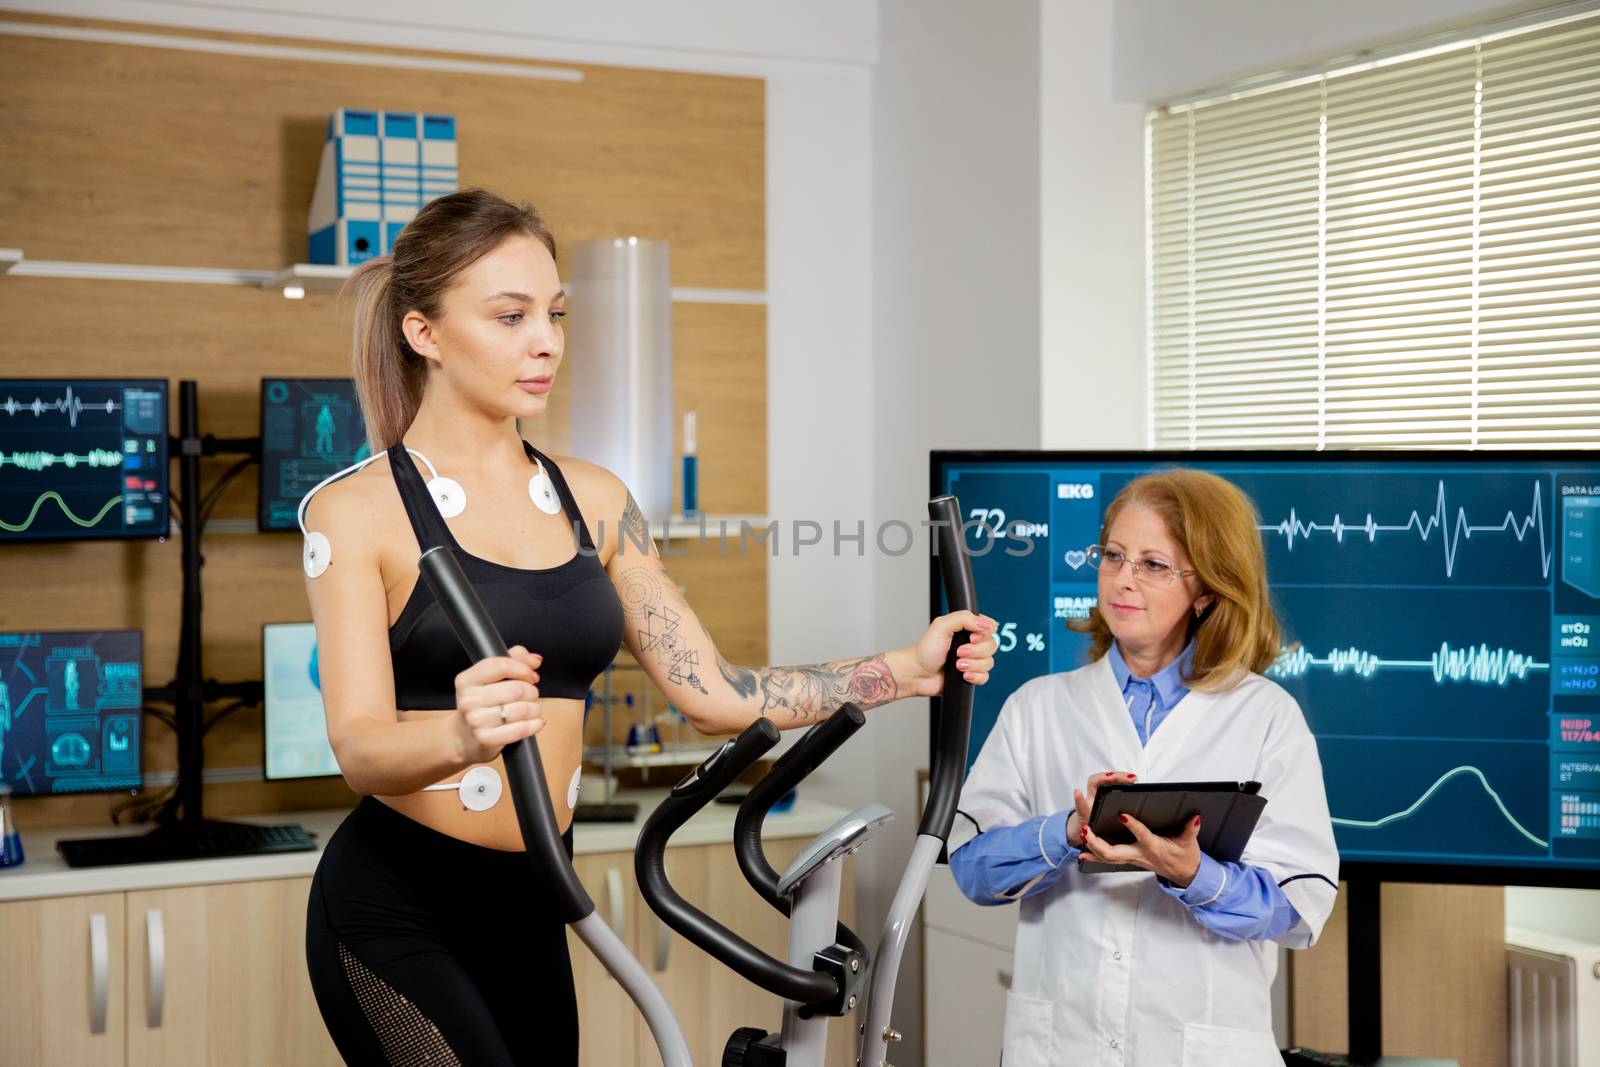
619, 364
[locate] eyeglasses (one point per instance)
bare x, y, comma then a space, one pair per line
1149, 571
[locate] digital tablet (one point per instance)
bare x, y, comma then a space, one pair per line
1228, 812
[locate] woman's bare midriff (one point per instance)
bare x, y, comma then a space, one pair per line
560, 746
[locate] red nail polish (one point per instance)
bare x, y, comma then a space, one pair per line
1131, 777
1124, 818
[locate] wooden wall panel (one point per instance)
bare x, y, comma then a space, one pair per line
1444, 976
229, 337
128, 154
92, 175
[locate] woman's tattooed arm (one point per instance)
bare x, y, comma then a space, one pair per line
677, 651
807, 694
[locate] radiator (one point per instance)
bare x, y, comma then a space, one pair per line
1553, 993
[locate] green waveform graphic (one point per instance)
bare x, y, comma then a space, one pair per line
38, 503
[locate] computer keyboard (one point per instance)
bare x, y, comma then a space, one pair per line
208, 840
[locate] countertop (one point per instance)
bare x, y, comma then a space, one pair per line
45, 874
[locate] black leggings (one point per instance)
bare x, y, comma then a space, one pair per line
425, 949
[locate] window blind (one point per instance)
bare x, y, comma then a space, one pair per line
1402, 253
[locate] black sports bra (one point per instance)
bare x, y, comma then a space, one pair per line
569, 614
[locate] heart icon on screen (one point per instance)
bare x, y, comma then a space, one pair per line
1076, 559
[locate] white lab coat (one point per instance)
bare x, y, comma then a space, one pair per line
1109, 969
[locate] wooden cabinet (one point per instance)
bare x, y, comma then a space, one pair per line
211, 974
62, 994
202, 971
217, 975
709, 1000
966, 967
605, 1012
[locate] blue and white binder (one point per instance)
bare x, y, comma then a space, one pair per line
378, 168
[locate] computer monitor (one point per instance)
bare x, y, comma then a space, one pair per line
70, 707
310, 428
296, 729
83, 458
1441, 613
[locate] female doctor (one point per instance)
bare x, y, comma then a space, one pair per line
1173, 966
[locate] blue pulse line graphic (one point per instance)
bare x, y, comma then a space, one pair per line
69, 405
1450, 533
1482, 665
1487, 788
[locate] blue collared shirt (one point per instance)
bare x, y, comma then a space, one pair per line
1151, 700
1007, 863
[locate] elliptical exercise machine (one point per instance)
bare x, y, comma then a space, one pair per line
828, 964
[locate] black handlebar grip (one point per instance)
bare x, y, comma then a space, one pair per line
819, 742
524, 769
955, 706
807, 755
649, 862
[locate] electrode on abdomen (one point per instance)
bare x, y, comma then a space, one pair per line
479, 788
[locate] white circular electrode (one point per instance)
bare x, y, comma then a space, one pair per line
572, 790
480, 789
448, 496
316, 554
543, 492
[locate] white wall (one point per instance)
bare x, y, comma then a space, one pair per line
1091, 243
955, 359
1164, 48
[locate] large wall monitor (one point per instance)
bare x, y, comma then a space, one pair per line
1442, 618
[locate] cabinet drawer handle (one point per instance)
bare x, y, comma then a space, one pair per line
617, 921
155, 943
1004, 978
100, 972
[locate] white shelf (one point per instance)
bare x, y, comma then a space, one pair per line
134, 272
711, 527
310, 277
306, 277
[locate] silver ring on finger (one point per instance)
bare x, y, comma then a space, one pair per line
501, 708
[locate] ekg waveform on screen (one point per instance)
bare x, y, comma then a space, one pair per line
66, 402
1481, 665
1452, 530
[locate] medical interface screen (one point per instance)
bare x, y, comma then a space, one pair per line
70, 704
1441, 617
82, 458
310, 428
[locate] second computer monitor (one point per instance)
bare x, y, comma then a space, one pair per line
70, 705
310, 428
296, 728
82, 458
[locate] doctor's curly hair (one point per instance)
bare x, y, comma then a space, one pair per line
1215, 524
